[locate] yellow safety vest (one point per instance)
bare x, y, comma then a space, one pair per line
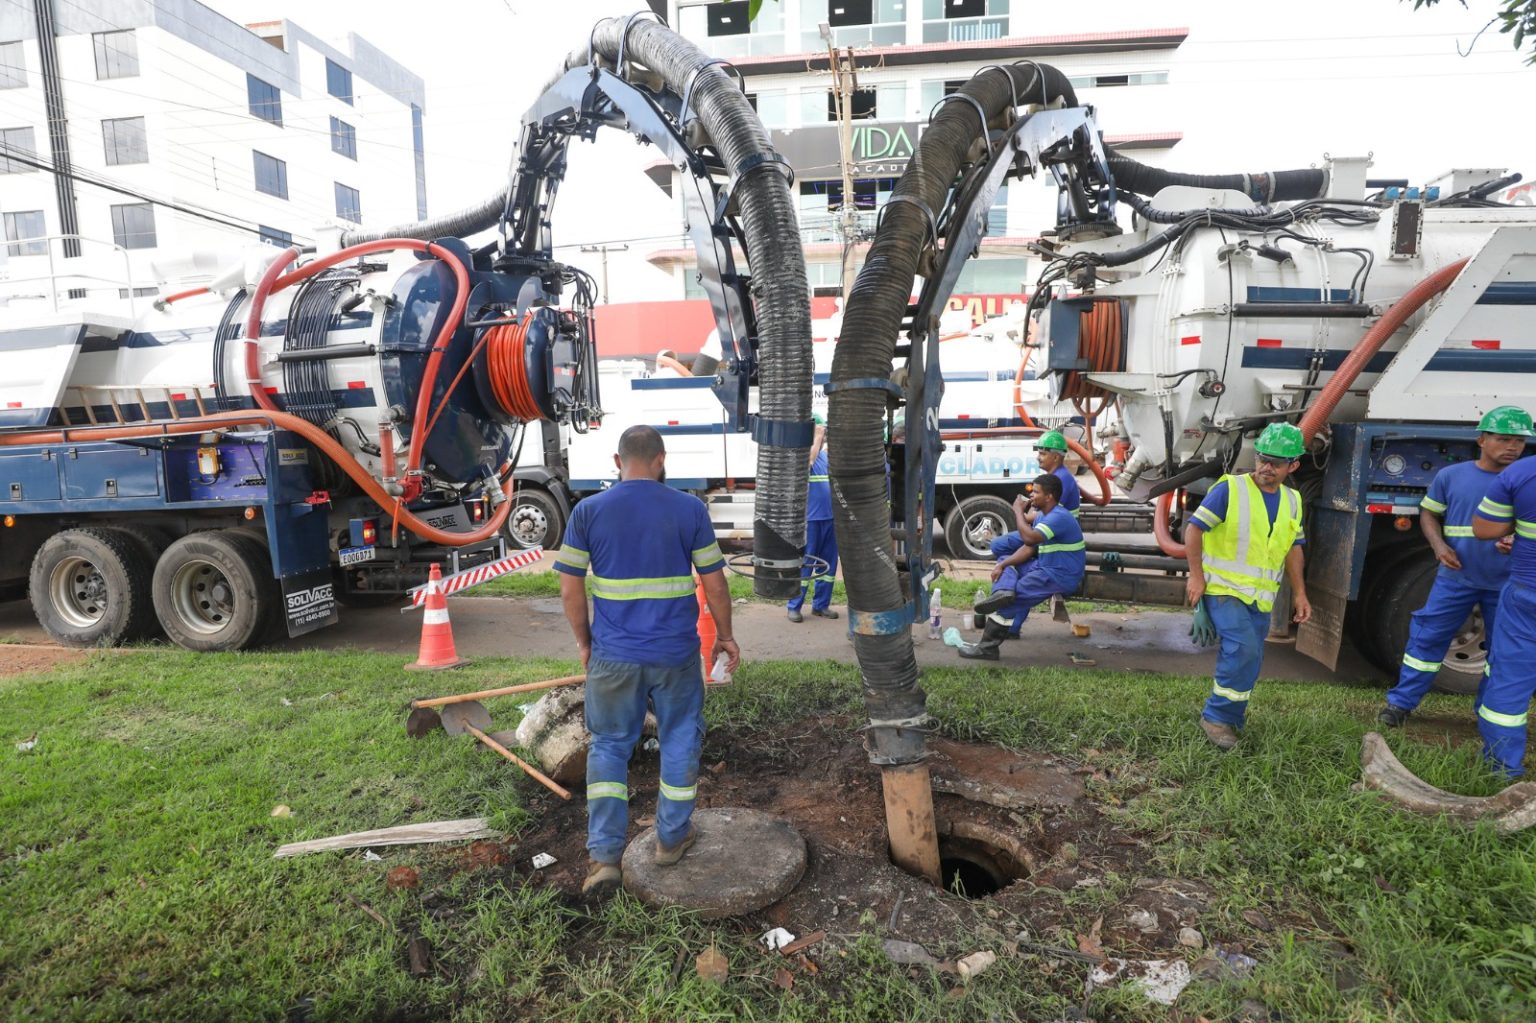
1242, 556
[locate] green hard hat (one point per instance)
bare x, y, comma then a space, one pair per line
1052, 441
1508, 420
1280, 440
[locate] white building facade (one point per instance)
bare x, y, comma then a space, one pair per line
909, 54
159, 129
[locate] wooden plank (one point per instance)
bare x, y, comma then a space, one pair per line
407, 834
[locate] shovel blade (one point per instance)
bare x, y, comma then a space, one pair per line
472, 712
422, 721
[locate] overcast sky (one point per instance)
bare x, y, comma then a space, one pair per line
1256, 86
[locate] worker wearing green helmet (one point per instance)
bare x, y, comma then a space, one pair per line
1051, 450
1472, 572
1242, 540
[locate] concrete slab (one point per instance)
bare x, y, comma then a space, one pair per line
986, 774
742, 861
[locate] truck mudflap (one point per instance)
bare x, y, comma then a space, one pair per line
1338, 525
309, 601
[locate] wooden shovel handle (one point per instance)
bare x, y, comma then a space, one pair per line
533, 772
526, 687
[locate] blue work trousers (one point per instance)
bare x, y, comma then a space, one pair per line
1242, 628
617, 693
1431, 630
820, 542
1505, 700
1007, 545
1030, 585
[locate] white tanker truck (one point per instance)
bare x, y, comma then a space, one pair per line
1383, 319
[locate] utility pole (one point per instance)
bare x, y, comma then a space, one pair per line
844, 84
605, 249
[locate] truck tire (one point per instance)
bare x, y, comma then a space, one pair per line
1361, 620
214, 591
1409, 586
91, 587
974, 524
535, 520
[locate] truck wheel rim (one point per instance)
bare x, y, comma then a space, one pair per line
78, 592
981, 530
529, 525
203, 597
1469, 650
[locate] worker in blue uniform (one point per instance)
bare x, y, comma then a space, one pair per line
1051, 560
820, 537
1242, 540
1472, 572
1051, 450
1504, 701
642, 542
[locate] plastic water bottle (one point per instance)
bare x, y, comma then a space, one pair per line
936, 609
721, 675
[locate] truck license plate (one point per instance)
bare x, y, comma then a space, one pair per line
353, 555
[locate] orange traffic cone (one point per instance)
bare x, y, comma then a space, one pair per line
707, 629
437, 650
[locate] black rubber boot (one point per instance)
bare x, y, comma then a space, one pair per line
989, 646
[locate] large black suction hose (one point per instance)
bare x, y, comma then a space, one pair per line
779, 289
856, 415
1263, 187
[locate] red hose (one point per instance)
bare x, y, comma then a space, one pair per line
1161, 515
1343, 377
178, 296
327, 444
253, 327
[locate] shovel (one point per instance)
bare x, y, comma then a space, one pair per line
472, 717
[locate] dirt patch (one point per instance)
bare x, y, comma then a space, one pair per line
35, 658
816, 775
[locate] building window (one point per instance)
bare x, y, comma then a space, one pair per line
117, 54
930, 93
19, 226
730, 19
343, 138
865, 103
138, 292
338, 81
21, 142
964, 21
853, 23
271, 175
1111, 81
349, 204
125, 140
272, 236
13, 66
266, 100
133, 225
850, 12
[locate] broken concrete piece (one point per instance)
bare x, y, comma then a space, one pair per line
907, 953
554, 731
1143, 920
985, 774
1513, 809
974, 964
1191, 938
1161, 980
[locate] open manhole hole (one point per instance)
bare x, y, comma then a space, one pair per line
976, 861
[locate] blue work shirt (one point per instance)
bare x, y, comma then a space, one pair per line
1454, 495
1063, 554
1512, 495
642, 541
1216, 503
1071, 494
818, 495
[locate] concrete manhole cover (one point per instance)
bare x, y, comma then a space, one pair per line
743, 860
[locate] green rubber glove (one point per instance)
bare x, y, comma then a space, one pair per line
1202, 631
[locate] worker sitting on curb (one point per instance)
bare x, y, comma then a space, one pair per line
820, 537
642, 644
1247, 530
1472, 571
1051, 449
1054, 550
1504, 700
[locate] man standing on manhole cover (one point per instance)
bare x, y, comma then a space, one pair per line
1245, 533
642, 542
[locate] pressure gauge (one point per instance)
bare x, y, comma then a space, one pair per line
1394, 465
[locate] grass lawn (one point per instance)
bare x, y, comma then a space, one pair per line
137, 878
